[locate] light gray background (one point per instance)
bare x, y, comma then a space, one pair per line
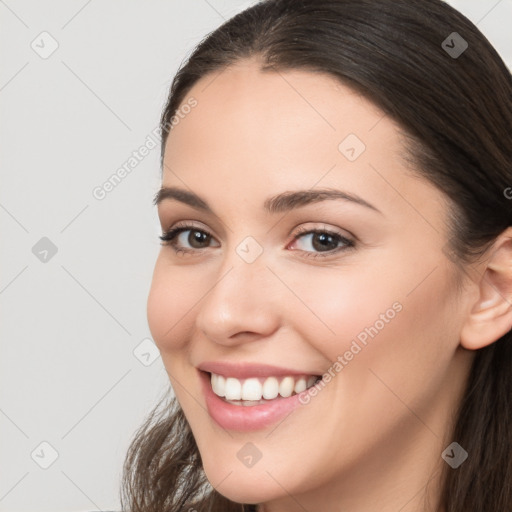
70, 325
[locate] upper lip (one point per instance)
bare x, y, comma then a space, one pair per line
245, 370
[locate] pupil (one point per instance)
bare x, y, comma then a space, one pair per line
197, 237
324, 239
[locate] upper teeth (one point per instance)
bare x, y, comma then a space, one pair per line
256, 388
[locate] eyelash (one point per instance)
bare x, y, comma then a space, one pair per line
168, 238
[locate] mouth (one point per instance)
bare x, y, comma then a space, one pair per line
259, 390
253, 403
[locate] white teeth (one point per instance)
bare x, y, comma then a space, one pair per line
286, 386
218, 384
233, 389
270, 388
254, 389
251, 389
300, 385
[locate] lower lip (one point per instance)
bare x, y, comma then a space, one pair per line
246, 418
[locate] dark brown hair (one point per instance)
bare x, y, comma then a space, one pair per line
457, 114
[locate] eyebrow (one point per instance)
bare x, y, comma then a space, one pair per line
277, 204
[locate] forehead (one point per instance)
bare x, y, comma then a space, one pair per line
266, 106
275, 118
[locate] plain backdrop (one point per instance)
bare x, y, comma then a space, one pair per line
82, 85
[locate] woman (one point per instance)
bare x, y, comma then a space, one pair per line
333, 296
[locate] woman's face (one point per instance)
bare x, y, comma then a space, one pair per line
368, 301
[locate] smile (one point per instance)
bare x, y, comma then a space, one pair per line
259, 390
254, 402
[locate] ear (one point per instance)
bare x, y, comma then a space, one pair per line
491, 315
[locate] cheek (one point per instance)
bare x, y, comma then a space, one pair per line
170, 306
338, 306
359, 320
406, 328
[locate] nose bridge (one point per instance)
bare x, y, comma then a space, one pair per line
239, 300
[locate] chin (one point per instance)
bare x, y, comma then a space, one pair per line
243, 485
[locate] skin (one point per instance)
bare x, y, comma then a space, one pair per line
372, 438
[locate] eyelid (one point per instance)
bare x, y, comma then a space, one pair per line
188, 225
300, 230
324, 228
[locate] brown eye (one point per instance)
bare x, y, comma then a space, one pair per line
187, 238
322, 241
196, 238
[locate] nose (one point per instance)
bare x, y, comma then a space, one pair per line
242, 304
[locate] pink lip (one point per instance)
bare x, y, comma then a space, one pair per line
246, 418
247, 370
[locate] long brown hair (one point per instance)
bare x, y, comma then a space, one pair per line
456, 110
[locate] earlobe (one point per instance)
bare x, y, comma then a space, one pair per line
491, 315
